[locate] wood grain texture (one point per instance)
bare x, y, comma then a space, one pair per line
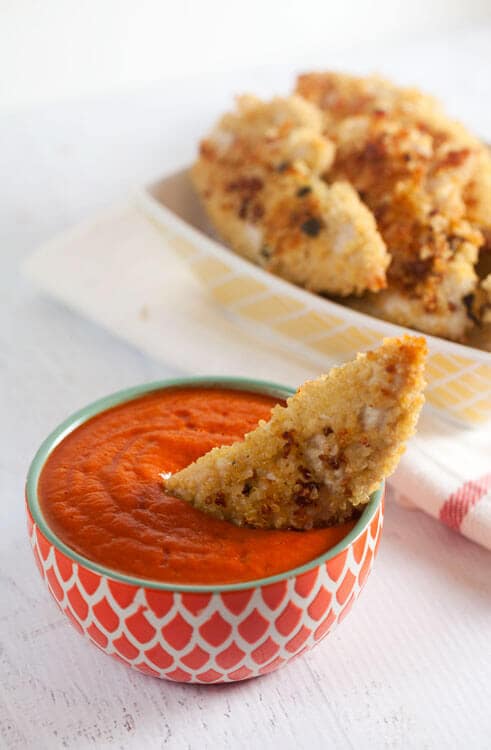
409, 668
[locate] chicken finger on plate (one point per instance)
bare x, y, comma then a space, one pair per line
316, 461
340, 96
416, 169
258, 176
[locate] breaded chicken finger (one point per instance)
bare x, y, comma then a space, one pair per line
258, 176
319, 458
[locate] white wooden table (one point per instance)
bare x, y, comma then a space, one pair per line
410, 667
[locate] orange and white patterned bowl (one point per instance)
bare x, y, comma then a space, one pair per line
201, 634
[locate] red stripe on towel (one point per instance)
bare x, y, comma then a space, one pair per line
460, 502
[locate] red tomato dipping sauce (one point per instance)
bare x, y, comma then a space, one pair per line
101, 493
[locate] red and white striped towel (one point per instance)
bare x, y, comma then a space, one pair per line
446, 470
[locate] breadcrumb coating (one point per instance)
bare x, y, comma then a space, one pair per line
320, 457
258, 175
425, 179
341, 96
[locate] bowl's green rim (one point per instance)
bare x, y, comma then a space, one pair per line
129, 394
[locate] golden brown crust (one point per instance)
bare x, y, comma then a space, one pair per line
419, 172
341, 96
258, 175
320, 457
